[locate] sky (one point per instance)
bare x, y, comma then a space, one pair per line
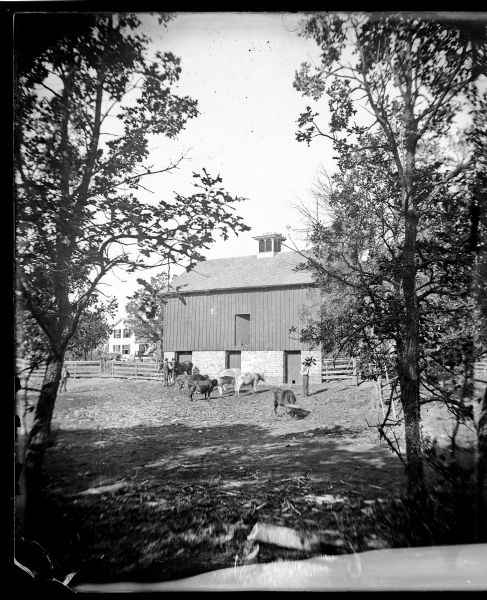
240, 67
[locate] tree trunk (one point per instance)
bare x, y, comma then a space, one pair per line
409, 372
481, 466
39, 439
409, 368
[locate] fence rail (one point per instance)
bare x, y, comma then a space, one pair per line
138, 370
83, 368
340, 368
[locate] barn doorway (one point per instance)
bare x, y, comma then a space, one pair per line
292, 367
182, 356
233, 359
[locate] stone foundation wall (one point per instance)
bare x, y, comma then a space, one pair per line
271, 363
209, 362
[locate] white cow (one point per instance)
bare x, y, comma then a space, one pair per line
251, 379
226, 377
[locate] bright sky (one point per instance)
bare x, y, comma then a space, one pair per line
240, 67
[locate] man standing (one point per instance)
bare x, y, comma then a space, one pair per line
171, 376
165, 371
64, 379
307, 362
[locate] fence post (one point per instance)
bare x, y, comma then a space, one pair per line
135, 364
378, 384
75, 370
355, 372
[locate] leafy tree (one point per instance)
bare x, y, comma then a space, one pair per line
86, 105
413, 77
145, 315
93, 329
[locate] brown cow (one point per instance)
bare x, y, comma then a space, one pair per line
205, 387
285, 398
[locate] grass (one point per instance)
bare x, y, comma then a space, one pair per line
142, 484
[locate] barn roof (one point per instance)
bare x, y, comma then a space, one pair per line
243, 272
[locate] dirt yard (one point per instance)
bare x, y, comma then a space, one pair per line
142, 484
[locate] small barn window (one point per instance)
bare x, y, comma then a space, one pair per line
116, 348
242, 330
261, 245
268, 245
117, 333
126, 333
126, 349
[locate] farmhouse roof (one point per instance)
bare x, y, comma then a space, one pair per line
243, 272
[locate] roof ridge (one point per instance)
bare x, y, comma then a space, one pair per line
248, 256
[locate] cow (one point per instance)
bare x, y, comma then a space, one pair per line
251, 379
285, 398
183, 367
185, 380
198, 377
177, 368
205, 387
226, 377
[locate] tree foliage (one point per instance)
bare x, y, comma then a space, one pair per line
405, 203
145, 310
93, 329
87, 104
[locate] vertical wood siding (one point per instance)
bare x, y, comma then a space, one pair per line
207, 320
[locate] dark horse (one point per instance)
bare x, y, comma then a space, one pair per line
177, 368
183, 367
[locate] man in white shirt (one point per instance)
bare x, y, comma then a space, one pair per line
307, 362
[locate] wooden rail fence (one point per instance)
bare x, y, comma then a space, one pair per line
339, 368
80, 369
137, 370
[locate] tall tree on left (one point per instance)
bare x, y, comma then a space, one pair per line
88, 98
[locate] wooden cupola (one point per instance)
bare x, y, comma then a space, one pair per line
269, 244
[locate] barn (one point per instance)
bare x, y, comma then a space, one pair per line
238, 312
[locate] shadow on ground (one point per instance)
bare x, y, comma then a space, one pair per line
177, 489
192, 454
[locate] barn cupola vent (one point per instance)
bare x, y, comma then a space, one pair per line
269, 244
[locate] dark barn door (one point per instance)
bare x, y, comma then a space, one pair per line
182, 356
293, 367
234, 360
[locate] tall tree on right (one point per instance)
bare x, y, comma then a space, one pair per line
408, 79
